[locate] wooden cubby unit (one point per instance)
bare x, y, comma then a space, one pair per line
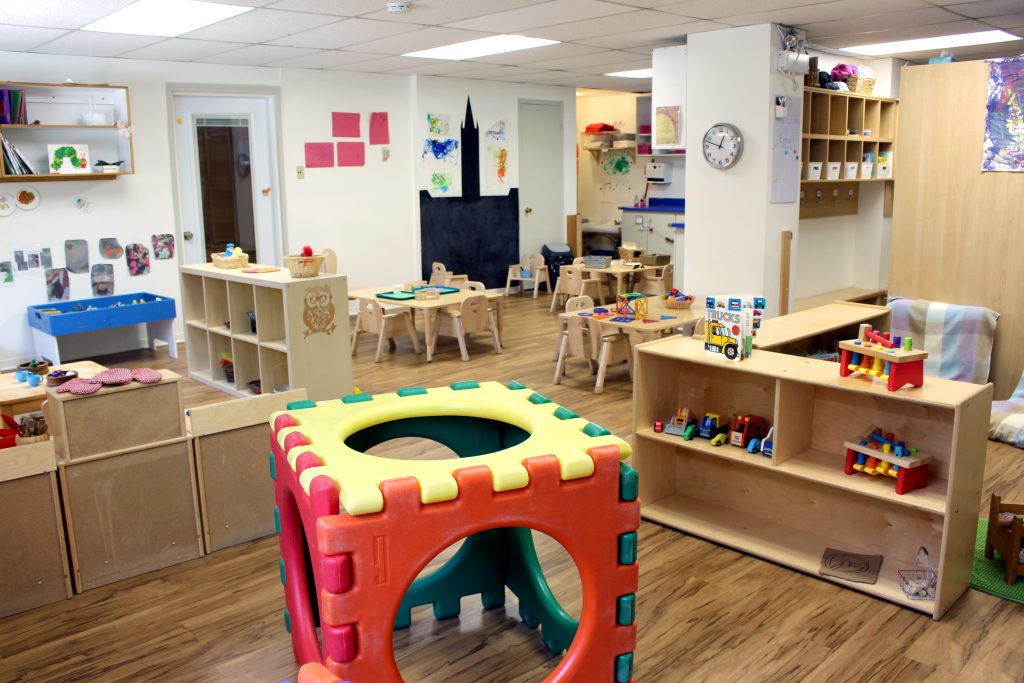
790, 507
58, 108
284, 352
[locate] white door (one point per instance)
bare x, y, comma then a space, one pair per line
541, 209
226, 170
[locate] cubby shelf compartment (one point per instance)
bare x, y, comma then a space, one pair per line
788, 508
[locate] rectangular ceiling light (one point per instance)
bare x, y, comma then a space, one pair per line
481, 47
635, 73
167, 18
937, 43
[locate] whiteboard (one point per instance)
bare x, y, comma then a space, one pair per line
786, 149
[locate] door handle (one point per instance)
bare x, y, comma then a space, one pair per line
187, 235
527, 211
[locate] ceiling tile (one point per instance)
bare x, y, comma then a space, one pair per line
249, 3
344, 33
260, 26
181, 50
544, 14
500, 73
1007, 21
258, 55
325, 59
386, 64
610, 83
826, 11
23, 38
987, 8
418, 39
436, 12
871, 37
544, 77
92, 44
431, 67
580, 61
604, 26
880, 22
537, 54
616, 65
338, 8
57, 13
666, 35
714, 9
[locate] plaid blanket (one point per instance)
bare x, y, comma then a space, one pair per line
1007, 423
958, 339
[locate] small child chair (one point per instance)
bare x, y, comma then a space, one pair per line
472, 315
531, 268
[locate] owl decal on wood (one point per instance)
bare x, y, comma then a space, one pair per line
318, 311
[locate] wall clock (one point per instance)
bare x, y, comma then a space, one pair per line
723, 145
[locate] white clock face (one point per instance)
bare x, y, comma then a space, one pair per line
723, 145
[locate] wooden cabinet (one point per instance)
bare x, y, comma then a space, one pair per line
71, 114
34, 563
844, 127
791, 506
302, 331
236, 493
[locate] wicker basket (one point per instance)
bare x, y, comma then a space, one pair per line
678, 303
240, 260
41, 367
597, 261
57, 381
304, 266
862, 85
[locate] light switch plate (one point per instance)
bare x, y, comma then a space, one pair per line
300, 172
638, 220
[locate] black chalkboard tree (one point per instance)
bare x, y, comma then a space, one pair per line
471, 234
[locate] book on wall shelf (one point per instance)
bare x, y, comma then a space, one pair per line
15, 162
12, 107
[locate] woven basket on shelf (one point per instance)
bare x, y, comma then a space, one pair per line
304, 266
240, 260
862, 85
678, 303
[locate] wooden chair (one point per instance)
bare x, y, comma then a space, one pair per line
629, 252
656, 285
531, 268
572, 283
330, 264
571, 342
374, 320
1005, 537
608, 346
439, 275
579, 261
472, 315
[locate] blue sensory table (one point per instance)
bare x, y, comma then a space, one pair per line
55, 325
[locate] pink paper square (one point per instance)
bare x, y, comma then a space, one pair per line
379, 128
351, 154
319, 155
345, 124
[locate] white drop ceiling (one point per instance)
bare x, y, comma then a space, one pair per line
597, 36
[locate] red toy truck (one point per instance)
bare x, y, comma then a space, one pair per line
747, 427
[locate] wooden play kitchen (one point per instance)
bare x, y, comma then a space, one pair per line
792, 505
278, 331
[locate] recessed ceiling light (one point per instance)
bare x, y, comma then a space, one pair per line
167, 18
482, 47
635, 73
936, 43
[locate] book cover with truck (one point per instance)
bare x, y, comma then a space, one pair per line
730, 323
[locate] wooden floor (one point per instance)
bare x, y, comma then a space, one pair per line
705, 613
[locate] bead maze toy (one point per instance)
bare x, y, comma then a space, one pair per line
632, 305
874, 354
356, 529
880, 454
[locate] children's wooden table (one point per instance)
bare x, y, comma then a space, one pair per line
618, 272
18, 397
429, 307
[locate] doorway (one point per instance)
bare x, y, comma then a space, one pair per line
226, 153
541, 186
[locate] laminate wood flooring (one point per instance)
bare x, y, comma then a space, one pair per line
705, 612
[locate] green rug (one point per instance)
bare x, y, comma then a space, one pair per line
987, 575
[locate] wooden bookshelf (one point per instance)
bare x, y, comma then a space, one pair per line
790, 506
829, 116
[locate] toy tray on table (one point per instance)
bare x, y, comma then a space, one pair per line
405, 295
60, 318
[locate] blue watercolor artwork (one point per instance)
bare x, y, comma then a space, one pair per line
1004, 118
442, 150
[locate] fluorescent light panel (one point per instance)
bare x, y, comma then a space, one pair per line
635, 73
166, 18
481, 47
936, 43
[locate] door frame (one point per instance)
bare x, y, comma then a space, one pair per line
273, 95
561, 106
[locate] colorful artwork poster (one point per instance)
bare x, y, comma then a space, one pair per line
110, 248
68, 159
496, 132
667, 130
496, 170
163, 246
617, 163
76, 256
102, 277
1004, 116
438, 125
31, 260
440, 157
6, 273
58, 286
137, 256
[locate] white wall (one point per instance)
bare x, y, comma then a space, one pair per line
369, 215
732, 231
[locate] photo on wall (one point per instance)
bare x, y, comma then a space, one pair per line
58, 286
102, 279
137, 256
76, 256
6, 273
110, 248
163, 246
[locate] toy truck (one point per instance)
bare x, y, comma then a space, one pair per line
712, 426
677, 425
746, 428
